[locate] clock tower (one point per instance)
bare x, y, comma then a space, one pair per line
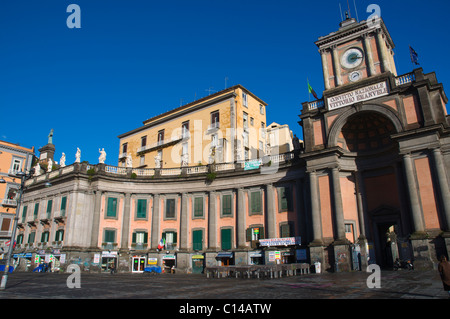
356, 51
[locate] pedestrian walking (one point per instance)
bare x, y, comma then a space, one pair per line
112, 268
444, 271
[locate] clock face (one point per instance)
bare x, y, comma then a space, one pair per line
352, 58
354, 76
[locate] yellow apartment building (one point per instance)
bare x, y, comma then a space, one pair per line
13, 158
224, 127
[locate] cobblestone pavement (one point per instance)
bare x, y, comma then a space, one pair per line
394, 285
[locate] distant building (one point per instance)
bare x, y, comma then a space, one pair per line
223, 127
13, 158
279, 139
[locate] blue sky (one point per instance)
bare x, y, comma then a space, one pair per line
132, 60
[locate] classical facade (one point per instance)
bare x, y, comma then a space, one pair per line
370, 183
376, 153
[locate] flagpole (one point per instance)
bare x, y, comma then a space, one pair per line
309, 93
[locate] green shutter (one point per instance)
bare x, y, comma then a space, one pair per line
49, 206
255, 198
24, 213
248, 234
112, 207
170, 208
63, 205
226, 205
36, 210
225, 238
197, 240
109, 236
133, 238
141, 208
198, 207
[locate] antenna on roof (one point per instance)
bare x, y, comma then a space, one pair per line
356, 10
349, 13
340, 9
226, 78
210, 89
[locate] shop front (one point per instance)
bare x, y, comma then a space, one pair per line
225, 258
169, 262
282, 250
138, 263
256, 257
198, 262
109, 260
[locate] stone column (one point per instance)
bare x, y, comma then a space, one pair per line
338, 206
96, 218
368, 50
155, 222
184, 222
315, 209
126, 222
383, 51
323, 54
337, 67
271, 220
212, 221
441, 175
413, 194
240, 215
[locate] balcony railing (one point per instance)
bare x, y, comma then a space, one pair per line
316, 104
405, 79
9, 203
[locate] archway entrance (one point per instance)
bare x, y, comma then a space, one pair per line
366, 136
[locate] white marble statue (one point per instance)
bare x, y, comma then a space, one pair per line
50, 165
129, 161
78, 156
158, 161
62, 160
185, 160
102, 158
37, 170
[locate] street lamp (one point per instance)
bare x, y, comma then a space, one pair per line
23, 177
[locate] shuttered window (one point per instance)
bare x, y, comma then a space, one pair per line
255, 200
111, 210
141, 208
226, 205
198, 207
225, 235
197, 240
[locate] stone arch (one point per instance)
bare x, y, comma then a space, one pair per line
342, 119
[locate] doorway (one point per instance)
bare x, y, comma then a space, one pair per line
138, 264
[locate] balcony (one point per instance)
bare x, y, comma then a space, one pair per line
12, 203
160, 144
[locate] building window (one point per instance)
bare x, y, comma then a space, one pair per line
44, 237
36, 211
59, 235
49, 208
63, 206
170, 208
255, 233
263, 130
185, 129
160, 137
124, 148
215, 120
171, 239
198, 207
252, 121
140, 237
16, 165
255, 202
245, 119
214, 140
244, 99
6, 222
227, 205
19, 240
144, 141
197, 240
31, 237
284, 199
141, 208
109, 236
111, 209
225, 237
286, 230
24, 213
261, 109
142, 160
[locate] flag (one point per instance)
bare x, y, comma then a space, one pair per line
162, 243
414, 56
311, 90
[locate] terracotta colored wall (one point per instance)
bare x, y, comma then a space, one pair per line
349, 200
325, 206
426, 190
381, 190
